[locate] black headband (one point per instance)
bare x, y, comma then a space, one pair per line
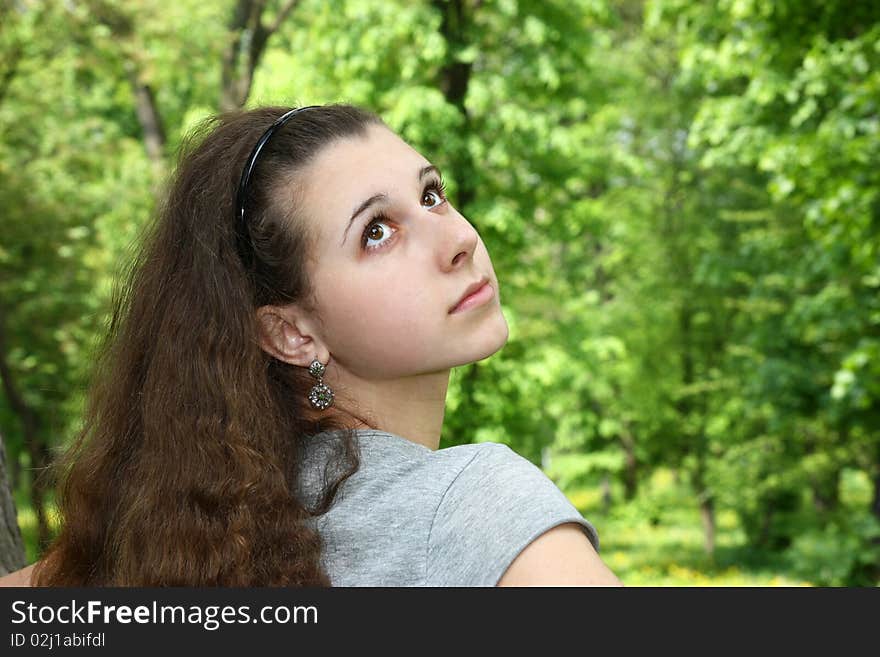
241, 228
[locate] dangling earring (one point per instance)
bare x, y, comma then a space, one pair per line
320, 395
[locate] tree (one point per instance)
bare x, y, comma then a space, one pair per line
12, 556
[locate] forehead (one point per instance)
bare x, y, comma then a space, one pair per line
350, 170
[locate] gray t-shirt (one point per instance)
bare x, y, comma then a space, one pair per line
412, 516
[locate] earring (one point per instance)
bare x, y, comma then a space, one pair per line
320, 395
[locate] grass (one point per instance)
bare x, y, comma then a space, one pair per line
669, 553
656, 540
663, 544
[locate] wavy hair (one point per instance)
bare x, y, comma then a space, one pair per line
185, 469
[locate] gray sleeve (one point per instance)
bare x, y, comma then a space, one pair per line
498, 504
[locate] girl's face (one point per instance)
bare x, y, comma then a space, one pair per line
390, 258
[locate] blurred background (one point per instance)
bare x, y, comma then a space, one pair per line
680, 198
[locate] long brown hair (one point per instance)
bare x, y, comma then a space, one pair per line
185, 469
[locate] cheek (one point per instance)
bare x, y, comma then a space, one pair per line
375, 326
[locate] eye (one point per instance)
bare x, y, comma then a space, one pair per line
377, 232
436, 188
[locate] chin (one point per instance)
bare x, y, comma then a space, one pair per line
493, 340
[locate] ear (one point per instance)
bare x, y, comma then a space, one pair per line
286, 333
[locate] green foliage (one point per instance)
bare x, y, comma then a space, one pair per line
844, 552
680, 199
657, 540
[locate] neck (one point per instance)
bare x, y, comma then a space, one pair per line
411, 407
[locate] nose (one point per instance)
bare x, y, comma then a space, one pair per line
457, 241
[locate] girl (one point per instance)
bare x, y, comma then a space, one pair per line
269, 404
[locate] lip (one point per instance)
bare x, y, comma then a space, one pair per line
476, 294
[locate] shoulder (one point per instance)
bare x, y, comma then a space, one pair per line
482, 460
493, 477
561, 556
18, 578
497, 504
392, 460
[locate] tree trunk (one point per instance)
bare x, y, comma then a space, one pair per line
149, 118
707, 515
874, 571
453, 81
763, 540
13, 58
606, 493
122, 27
686, 407
12, 555
707, 507
875, 503
39, 454
630, 471
248, 38
31, 427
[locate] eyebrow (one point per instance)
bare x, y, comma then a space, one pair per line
375, 198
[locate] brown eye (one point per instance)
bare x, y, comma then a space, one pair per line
431, 198
435, 192
378, 233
